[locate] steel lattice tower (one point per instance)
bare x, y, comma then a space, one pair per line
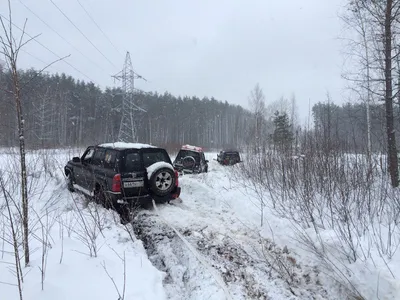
127, 132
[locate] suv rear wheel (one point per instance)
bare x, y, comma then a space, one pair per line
162, 181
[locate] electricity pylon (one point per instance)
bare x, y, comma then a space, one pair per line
127, 132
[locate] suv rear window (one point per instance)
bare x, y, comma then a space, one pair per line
185, 153
151, 156
134, 163
232, 155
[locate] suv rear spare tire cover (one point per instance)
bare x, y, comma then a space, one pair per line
162, 181
188, 162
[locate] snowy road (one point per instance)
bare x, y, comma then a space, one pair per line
227, 241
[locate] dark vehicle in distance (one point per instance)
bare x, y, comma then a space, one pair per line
228, 157
123, 174
191, 159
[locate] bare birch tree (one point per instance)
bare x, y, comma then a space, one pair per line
360, 49
294, 113
257, 104
375, 23
391, 14
10, 49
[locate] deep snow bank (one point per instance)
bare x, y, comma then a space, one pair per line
84, 251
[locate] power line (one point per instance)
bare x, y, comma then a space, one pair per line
82, 33
91, 18
37, 73
51, 51
35, 57
51, 28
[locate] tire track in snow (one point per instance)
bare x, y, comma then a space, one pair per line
185, 277
218, 279
232, 249
238, 237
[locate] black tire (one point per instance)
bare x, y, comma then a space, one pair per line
206, 170
162, 182
70, 183
100, 198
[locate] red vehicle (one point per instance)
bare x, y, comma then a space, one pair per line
191, 159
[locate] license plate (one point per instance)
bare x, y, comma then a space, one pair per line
132, 184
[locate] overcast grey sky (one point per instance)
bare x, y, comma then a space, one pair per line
218, 48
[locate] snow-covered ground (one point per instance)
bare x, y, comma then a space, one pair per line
209, 244
222, 223
81, 248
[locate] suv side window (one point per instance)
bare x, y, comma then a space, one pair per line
98, 157
110, 159
87, 156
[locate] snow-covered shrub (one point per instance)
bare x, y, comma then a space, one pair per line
343, 207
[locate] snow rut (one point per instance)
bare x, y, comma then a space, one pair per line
250, 267
246, 276
185, 277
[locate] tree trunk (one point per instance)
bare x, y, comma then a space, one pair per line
391, 134
24, 190
369, 96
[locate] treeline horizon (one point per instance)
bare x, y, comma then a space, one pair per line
346, 127
61, 111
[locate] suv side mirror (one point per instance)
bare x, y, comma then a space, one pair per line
207, 161
76, 159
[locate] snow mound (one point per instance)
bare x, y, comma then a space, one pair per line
156, 166
122, 145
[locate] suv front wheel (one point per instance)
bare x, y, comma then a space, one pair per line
70, 183
162, 181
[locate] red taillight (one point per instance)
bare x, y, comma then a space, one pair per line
116, 183
176, 178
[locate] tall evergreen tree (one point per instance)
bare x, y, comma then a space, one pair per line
283, 134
